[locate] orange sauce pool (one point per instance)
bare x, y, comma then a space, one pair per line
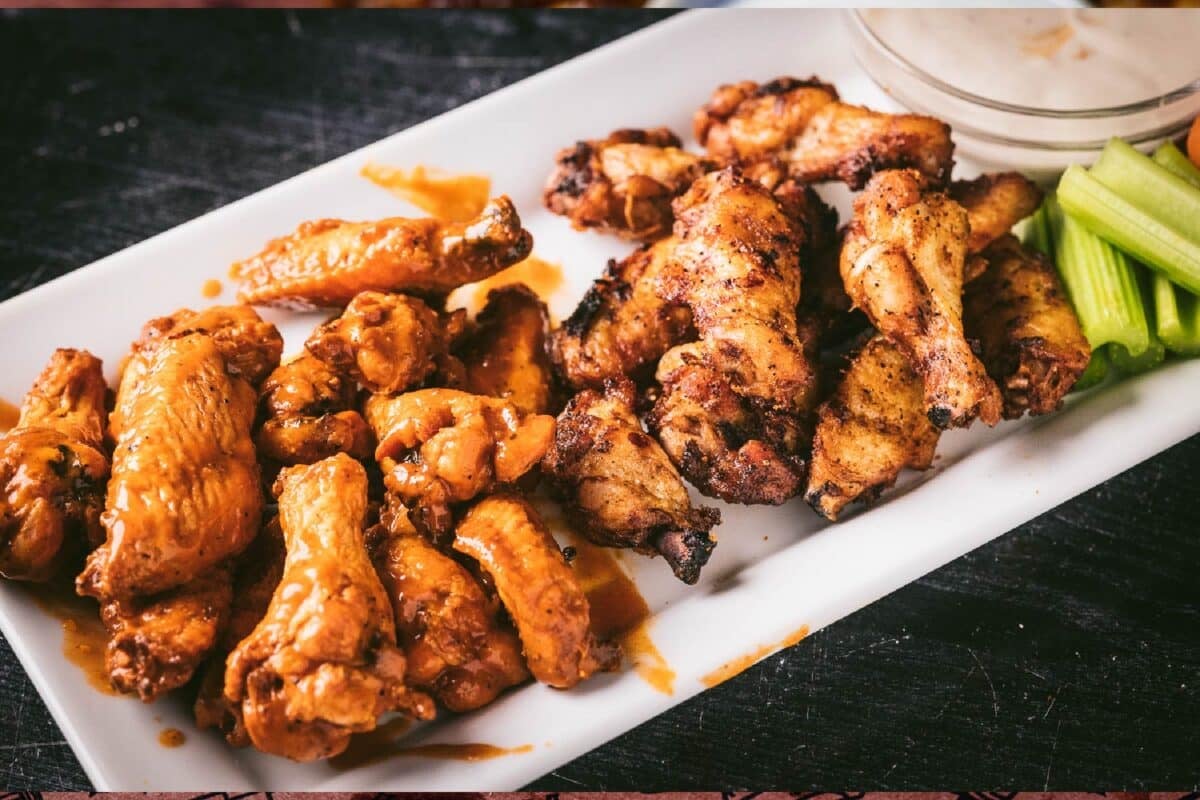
211, 288
84, 637
445, 195
743, 663
9, 414
171, 737
542, 277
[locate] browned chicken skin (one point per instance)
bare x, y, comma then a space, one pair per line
505, 354
309, 415
869, 430
251, 346
902, 263
623, 184
327, 262
732, 404
619, 486
748, 121
512, 545
439, 447
457, 648
323, 663
995, 202
53, 465
1029, 335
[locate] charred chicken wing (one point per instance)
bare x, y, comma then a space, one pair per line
52, 470
309, 415
1029, 335
327, 262
748, 121
505, 355
902, 263
323, 663
619, 486
512, 545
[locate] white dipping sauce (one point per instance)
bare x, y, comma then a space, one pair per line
1061, 59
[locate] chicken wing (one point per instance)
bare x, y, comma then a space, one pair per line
623, 184
439, 447
457, 648
748, 121
251, 346
732, 405
1030, 338
308, 411
512, 545
327, 262
995, 203
53, 465
620, 488
623, 325
323, 663
387, 342
902, 263
505, 354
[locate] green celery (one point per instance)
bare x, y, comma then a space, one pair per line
1176, 317
1129, 228
1147, 360
1036, 231
1096, 371
1172, 159
1102, 285
1150, 187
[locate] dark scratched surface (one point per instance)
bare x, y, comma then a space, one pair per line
1063, 655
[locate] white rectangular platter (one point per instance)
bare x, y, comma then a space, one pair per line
776, 569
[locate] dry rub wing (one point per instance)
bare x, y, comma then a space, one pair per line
732, 405
748, 121
52, 470
327, 262
1029, 335
624, 183
902, 263
995, 202
620, 487
869, 430
512, 545
309, 415
323, 663
505, 355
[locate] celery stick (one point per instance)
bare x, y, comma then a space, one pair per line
1147, 360
1172, 159
1128, 227
1176, 317
1150, 187
1096, 371
1036, 232
1102, 285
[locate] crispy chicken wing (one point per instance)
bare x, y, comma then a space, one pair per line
748, 121
619, 486
323, 663
995, 203
505, 354
1029, 335
902, 263
873, 427
251, 346
439, 447
308, 411
457, 647
327, 262
512, 545
53, 465
623, 184
387, 342
732, 405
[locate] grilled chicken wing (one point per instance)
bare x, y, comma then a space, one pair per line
512, 545
902, 263
873, 427
505, 355
438, 447
995, 203
323, 662
309, 415
623, 184
1029, 335
387, 342
748, 121
732, 403
327, 262
619, 486
52, 470
457, 648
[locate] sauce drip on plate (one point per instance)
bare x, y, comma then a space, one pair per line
171, 737
445, 195
84, 637
211, 288
743, 663
542, 277
385, 742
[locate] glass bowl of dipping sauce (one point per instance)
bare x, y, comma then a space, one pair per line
1038, 89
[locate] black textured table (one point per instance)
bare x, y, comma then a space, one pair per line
1065, 654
